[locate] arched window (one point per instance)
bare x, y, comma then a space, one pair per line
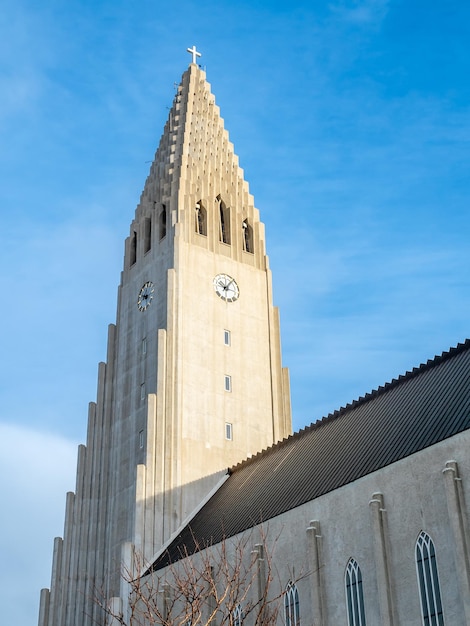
224, 224
200, 219
133, 248
237, 616
147, 234
162, 221
354, 594
428, 581
247, 236
291, 605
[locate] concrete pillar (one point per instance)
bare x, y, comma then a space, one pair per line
56, 594
131, 568
382, 562
460, 530
83, 545
115, 612
260, 590
44, 607
68, 553
314, 539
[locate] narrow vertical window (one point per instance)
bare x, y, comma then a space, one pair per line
142, 391
224, 222
354, 594
291, 605
247, 236
133, 248
147, 234
227, 337
237, 616
200, 219
428, 581
228, 431
162, 221
228, 383
144, 345
141, 439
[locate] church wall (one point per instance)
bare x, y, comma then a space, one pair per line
415, 500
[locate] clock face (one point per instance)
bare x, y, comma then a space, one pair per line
226, 287
145, 296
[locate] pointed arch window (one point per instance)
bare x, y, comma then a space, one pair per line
247, 236
428, 581
147, 234
200, 219
237, 616
162, 221
291, 605
224, 223
354, 594
133, 248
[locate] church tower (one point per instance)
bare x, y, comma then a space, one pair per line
193, 381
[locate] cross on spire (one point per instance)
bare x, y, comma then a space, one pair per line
194, 52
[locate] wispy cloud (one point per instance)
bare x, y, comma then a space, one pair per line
360, 12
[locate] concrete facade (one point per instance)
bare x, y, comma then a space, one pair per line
376, 521
193, 381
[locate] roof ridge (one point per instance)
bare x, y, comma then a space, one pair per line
395, 382
408, 375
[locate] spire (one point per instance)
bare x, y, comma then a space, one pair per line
196, 160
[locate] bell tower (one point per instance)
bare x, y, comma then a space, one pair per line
193, 382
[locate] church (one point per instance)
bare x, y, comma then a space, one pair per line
360, 518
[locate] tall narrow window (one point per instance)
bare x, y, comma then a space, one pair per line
228, 431
133, 248
354, 594
228, 383
237, 616
142, 391
224, 223
428, 581
147, 234
247, 236
291, 605
227, 337
162, 221
200, 219
141, 439
144, 345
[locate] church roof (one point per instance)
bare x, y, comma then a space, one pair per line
415, 411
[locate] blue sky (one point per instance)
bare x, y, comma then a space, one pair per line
351, 121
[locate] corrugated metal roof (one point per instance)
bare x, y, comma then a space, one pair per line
417, 410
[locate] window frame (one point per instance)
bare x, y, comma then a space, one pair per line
354, 594
225, 235
237, 616
429, 587
200, 219
291, 605
247, 229
147, 234
162, 222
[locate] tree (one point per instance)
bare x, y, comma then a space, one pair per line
232, 583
